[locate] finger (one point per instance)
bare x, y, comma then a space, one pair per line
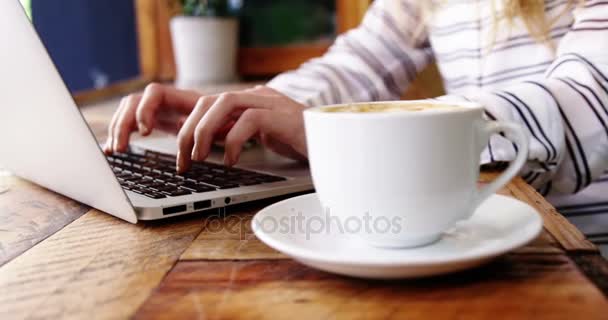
126, 123
261, 89
109, 147
223, 131
248, 125
156, 96
283, 149
180, 123
170, 124
185, 139
225, 105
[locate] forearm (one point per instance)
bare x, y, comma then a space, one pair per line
376, 61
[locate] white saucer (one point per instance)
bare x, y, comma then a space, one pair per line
499, 225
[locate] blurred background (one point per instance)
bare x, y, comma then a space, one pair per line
110, 47
92, 42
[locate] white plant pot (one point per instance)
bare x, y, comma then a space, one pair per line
205, 50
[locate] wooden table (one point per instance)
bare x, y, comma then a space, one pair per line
60, 259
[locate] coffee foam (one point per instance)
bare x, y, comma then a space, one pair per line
388, 107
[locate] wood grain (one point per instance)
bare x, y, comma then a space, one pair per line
156, 57
100, 267
96, 263
594, 266
147, 38
229, 237
544, 244
518, 286
167, 9
564, 234
113, 90
569, 237
29, 214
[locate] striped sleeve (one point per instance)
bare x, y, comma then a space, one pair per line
565, 114
375, 61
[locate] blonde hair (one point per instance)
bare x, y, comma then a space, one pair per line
531, 13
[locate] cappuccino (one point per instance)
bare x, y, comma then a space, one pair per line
386, 107
421, 170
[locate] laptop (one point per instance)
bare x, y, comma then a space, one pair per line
45, 139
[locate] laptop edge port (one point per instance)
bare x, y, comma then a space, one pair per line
173, 210
202, 204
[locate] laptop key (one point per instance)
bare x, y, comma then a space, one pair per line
188, 188
197, 188
154, 178
155, 189
271, 179
137, 190
250, 182
229, 186
176, 193
154, 195
147, 178
155, 185
154, 171
218, 170
173, 181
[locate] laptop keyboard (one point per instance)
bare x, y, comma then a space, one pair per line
154, 175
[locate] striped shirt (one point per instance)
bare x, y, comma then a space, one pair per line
557, 91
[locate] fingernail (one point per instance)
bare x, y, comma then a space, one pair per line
228, 160
178, 163
195, 153
115, 145
143, 129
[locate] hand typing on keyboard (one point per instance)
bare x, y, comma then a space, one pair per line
154, 175
260, 112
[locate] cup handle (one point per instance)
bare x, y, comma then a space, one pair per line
516, 134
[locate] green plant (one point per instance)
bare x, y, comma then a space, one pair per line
208, 8
27, 5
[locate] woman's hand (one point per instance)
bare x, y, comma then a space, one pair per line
260, 112
238, 116
158, 107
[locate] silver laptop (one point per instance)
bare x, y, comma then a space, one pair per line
45, 139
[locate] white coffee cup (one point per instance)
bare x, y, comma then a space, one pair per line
416, 171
